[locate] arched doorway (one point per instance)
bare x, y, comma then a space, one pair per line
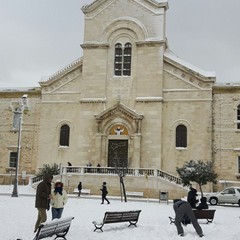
118, 146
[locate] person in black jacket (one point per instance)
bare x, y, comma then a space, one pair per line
104, 193
192, 197
203, 203
42, 201
79, 188
184, 210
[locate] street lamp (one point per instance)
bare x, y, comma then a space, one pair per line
17, 125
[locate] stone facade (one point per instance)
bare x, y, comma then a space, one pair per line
161, 93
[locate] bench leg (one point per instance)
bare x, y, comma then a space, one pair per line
60, 237
132, 223
172, 220
209, 221
96, 228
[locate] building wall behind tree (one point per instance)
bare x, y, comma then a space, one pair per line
30, 130
226, 144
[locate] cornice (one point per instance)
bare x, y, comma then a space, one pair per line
87, 45
149, 99
118, 107
18, 92
93, 100
210, 79
151, 42
95, 4
62, 72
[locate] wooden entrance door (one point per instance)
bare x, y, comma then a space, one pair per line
118, 153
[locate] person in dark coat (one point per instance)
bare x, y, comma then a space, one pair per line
42, 200
104, 193
203, 203
182, 210
79, 188
69, 169
192, 197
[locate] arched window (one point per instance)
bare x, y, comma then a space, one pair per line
181, 136
122, 60
238, 116
64, 135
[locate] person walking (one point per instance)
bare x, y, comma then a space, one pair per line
79, 188
104, 193
58, 200
42, 200
184, 210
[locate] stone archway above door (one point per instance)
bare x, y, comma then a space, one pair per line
119, 122
120, 111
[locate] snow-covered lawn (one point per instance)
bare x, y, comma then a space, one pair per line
18, 217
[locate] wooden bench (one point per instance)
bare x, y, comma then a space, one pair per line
83, 191
117, 217
207, 214
134, 194
58, 227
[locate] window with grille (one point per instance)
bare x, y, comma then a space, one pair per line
122, 61
238, 116
13, 159
181, 136
64, 135
238, 164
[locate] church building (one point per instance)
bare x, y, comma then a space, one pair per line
128, 101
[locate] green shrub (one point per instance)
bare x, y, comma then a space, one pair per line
50, 169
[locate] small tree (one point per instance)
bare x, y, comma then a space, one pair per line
121, 168
48, 169
197, 171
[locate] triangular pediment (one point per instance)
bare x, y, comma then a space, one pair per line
100, 5
64, 79
188, 76
117, 109
62, 72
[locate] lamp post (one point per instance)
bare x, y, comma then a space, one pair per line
17, 125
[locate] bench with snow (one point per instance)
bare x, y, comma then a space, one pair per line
207, 214
118, 217
134, 194
58, 227
83, 191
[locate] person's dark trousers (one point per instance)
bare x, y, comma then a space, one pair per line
183, 209
104, 198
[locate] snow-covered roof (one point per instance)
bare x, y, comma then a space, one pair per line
172, 56
19, 89
227, 84
158, 3
61, 72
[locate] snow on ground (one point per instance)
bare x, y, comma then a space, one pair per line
18, 216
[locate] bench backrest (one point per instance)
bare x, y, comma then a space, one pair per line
126, 216
204, 213
54, 227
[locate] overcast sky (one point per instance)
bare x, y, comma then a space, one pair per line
39, 37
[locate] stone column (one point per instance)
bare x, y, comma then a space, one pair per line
136, 161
